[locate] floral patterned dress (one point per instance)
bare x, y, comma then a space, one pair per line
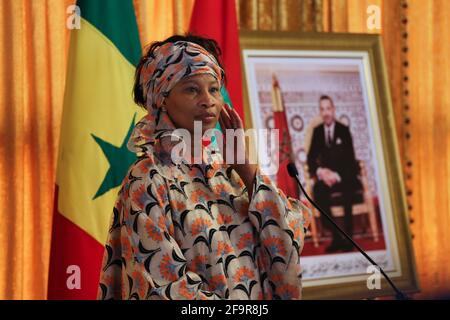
189, 231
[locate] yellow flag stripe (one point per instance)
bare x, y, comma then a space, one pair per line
97, 101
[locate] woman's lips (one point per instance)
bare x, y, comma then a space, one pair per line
206, 117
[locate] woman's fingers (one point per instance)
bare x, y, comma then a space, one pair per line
235, 118
225, 111
230, 119
224, 143
226, 119
222, 122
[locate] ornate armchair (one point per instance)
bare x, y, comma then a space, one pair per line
362, 204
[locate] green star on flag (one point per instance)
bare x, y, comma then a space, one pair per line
119, 158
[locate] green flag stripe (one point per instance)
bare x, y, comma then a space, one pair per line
117, 21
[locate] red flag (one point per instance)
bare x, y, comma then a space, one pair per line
284, 181
217, 20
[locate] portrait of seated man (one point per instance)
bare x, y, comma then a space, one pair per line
333, 167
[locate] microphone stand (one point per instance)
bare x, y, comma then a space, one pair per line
292, 170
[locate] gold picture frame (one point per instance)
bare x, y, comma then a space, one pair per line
258, 45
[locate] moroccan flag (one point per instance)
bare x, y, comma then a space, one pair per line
284, 181
217, 20
98, 117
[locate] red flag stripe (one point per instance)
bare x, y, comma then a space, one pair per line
217, 19
72, 246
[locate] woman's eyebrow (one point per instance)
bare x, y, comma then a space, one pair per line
190, 81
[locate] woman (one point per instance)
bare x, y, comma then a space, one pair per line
206, 230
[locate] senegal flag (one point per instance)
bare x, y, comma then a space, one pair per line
98, 118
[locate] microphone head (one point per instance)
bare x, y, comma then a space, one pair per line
292, 169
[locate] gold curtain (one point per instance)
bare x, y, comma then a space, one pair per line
158, 19
32, 75
429, 144
283, 15
32, 69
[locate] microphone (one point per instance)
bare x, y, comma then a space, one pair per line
292, 170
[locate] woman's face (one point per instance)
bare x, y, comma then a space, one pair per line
195, 98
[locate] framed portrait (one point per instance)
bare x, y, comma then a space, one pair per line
333, 92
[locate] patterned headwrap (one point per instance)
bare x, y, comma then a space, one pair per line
171, 63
